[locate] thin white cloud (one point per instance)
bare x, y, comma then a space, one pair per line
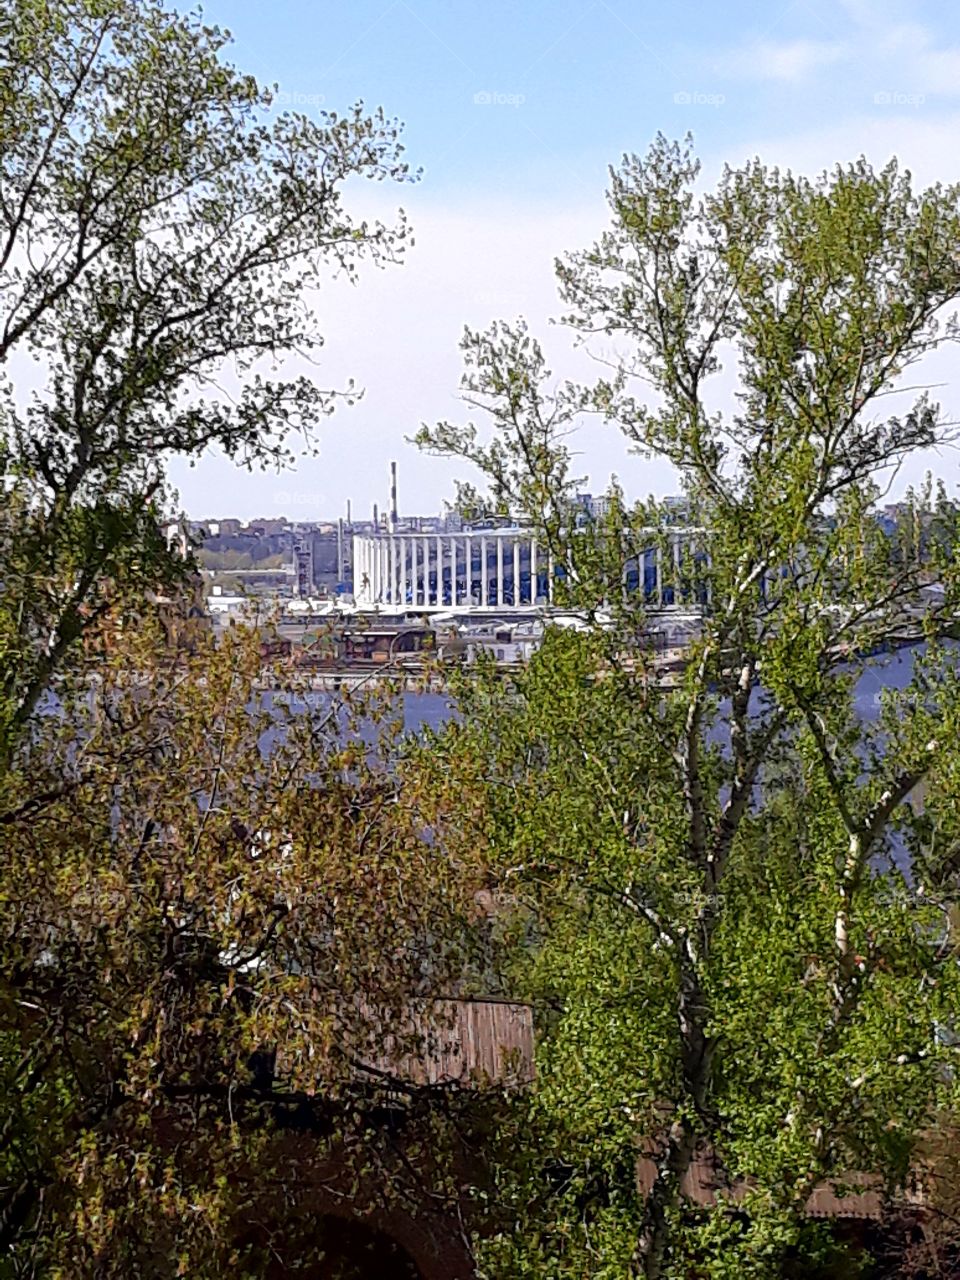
938, 71
881, 50
789, 61
910, 52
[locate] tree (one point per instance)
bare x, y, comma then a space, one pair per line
158, 236
224, 930
723, 887
170, 917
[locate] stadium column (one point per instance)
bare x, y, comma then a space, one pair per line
677, 558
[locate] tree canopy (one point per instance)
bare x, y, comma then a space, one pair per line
183, 856
729, 894
220, 921
160, 233
732, 890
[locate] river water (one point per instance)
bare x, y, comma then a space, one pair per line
887, 671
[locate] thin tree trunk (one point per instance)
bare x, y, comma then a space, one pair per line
697, 1051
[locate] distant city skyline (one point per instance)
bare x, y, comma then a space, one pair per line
514, 112
596, 504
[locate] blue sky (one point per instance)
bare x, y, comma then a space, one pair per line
514, 111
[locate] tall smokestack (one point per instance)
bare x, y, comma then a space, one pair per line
376, 518
348, 512
394, 517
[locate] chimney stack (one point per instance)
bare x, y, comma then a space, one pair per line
394, 518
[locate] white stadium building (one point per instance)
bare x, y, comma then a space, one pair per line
491, 569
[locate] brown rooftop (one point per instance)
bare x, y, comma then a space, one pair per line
856, 1196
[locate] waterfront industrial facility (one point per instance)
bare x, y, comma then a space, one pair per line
405, 593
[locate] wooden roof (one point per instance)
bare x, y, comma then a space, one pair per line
458, 1042
850, 1195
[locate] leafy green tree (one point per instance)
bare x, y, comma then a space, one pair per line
728, 890
159, 234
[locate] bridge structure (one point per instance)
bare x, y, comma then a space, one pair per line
508, 569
